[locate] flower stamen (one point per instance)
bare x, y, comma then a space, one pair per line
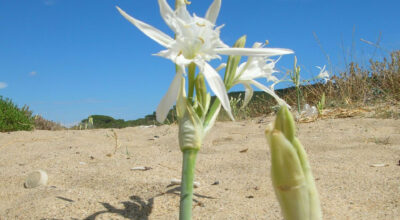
202, 40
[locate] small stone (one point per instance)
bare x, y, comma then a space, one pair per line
141, 168
35, 179
178, 182
215, 183
244, 150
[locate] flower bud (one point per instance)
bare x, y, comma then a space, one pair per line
290, 171
233, 62
191, 130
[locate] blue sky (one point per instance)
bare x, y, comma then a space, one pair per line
68, 59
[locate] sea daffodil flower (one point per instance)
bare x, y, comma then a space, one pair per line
196, 41
291, 175
257, 67
323, 74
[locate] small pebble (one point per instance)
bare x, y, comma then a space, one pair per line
178, 182
35, 179
141, 168
215, 183
379, 165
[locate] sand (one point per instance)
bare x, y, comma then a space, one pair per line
86, 180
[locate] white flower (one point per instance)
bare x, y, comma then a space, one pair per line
257, 67
196, 40
323, 74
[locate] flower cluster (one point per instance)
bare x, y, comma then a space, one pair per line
197, 41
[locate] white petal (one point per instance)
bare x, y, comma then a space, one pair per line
182, 12
247, 95
269, 91
254, 51
169, 99
216, 84
220, 67
320, 68
155, 34
212, 121
213, 11
181, 102
167, 13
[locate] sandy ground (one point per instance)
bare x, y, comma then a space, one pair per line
85, 181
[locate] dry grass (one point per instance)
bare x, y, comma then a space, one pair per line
356, 88
43, 124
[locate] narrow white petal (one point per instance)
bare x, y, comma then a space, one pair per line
213, 11
169, 99
155, 34
182, 12
220, 67
253, 51
248, 94
181, 102
216, 84
269, 91
166, 13
212, 121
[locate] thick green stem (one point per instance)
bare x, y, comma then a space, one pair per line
188, 168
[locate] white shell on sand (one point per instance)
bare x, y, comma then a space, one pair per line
178, 182
36, 178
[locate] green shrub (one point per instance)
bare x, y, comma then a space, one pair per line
13, 118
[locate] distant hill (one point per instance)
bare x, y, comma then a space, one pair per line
103, 121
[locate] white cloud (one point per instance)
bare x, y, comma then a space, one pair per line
49, 2
3, 85
33, 73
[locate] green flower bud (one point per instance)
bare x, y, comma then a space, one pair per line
233, 62
290, 171
202, 95
191, 130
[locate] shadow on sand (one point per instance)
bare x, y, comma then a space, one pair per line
135, 209
138, 209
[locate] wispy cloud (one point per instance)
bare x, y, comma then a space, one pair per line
33, 73
3, 85
49, 2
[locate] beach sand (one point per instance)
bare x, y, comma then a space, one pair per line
354, 161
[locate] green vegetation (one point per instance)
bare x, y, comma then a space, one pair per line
13, 118
103, 121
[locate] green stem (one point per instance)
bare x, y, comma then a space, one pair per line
188, 168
